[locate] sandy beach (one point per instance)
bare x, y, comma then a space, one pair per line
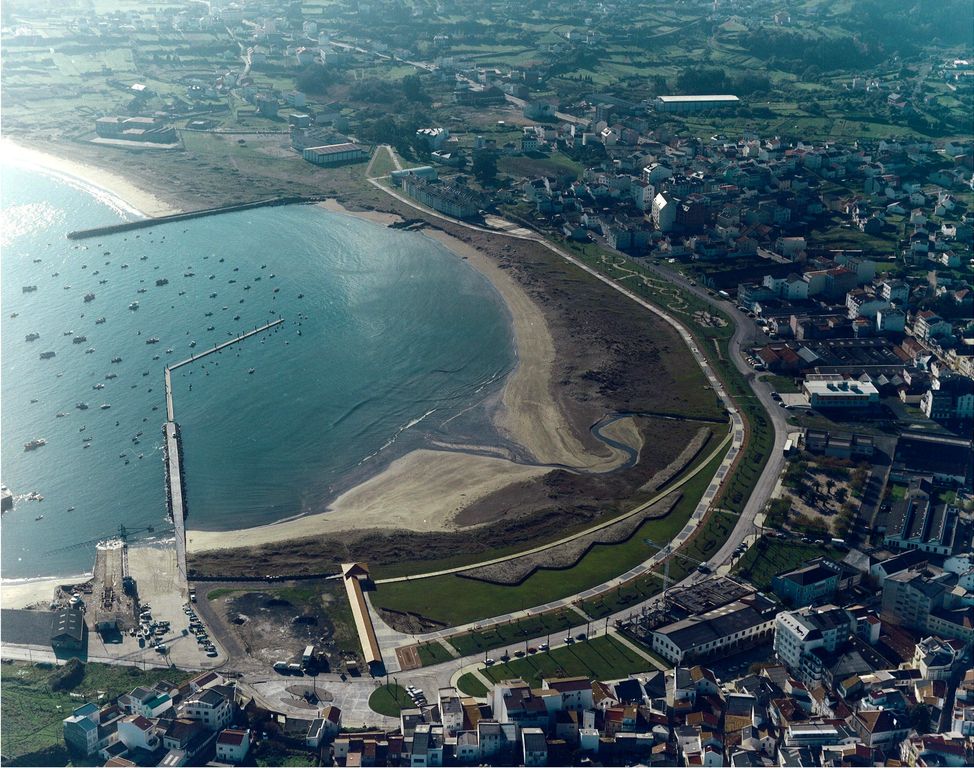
426, 489
22, 593
116, 185
421, 491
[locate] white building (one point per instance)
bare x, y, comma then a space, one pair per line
832, 391
802, 637
232, 746
210, 707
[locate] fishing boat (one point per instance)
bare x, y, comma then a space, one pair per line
81, 407
99, 385
116, 359
34, 444
79, 339
89, 297
29, 288
153, 340
47, 355
32, 336
162, 281
134, 305
99, 321
104, 406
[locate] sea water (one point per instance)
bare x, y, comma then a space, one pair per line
387, 336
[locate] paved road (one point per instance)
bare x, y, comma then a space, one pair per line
745, 332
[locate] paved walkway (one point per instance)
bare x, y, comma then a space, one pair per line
388, 637
619, 637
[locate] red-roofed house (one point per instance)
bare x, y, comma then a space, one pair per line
232, 745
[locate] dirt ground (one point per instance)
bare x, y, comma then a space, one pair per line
277, 624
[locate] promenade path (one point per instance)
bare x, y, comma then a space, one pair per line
390, 639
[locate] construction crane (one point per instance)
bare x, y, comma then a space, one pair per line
124, 533
667, 549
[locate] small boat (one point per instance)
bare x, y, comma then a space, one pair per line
34, 400
212, 295
99, 321
60, 415
153, 340
79, 339
39, 517
251, 370
47, 355
192, 344
209, 327
208, 314
104, 406
99, 385
263, 266
70, 509
116, 359
111, 376
81, 407
272, 275
141, 290
89, 350
68, 333
162, 281
29, 288
169, 351
300, 295
13, 315
125, 266
34, 444
189, 274
89, 297
102, 282
145, 373
32, 336
87, 439
83, 428
134, 305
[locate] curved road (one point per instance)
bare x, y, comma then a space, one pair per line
745, 331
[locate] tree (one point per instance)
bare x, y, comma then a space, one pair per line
920, 718
67, 677
485, 166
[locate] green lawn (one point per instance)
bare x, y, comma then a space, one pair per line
456, 600
603, 658
433, 653
769, 557
553, 622
389, 700
32, 713
782, 383
470, 684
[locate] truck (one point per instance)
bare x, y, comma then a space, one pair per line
788, 447
308, 657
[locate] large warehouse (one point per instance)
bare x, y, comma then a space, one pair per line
335, 154
695, 103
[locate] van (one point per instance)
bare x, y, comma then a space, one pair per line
280, 666
294, 668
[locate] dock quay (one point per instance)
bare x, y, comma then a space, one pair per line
218, 347
175, 495
175, 483
112, 229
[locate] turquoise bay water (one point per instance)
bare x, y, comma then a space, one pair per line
388, 338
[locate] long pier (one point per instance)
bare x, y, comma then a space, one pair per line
126, 226
201, 355
175, 488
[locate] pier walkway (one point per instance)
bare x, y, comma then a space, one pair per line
174, 449
174, 479
201, 355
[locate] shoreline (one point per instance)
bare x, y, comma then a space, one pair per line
428, 488
124, 193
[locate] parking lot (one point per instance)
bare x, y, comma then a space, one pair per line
154, 570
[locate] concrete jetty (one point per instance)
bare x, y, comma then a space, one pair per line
174, 493
111, 229
218, 347
175, 487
